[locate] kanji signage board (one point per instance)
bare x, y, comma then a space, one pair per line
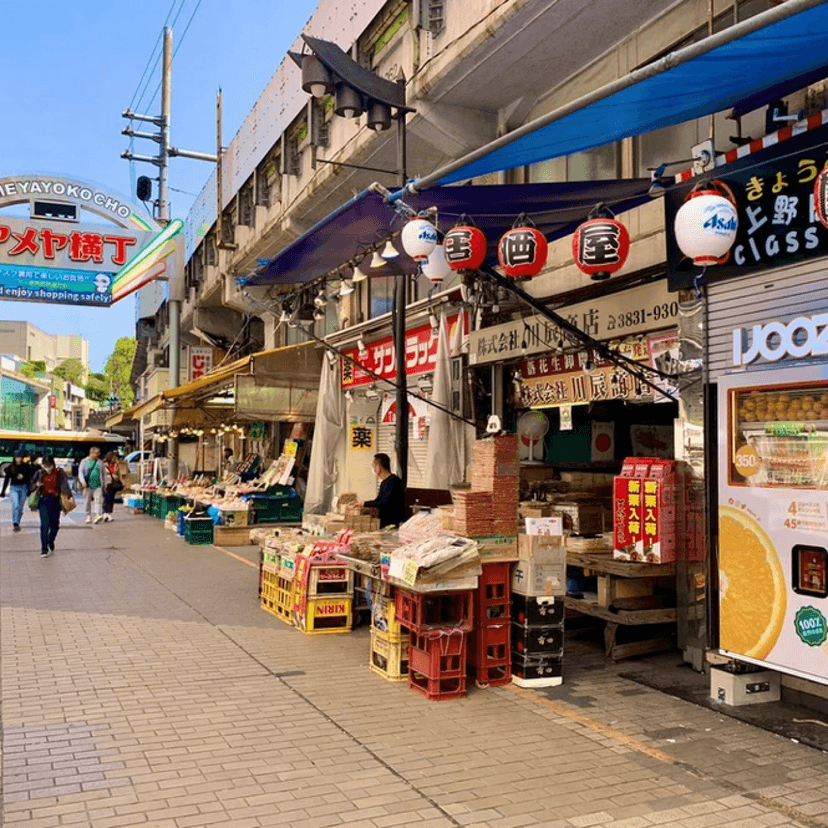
774, 192
56, 256
420, 356
201, 362
645, 308
580, 377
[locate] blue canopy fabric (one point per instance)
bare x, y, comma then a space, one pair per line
702, 85
556, 209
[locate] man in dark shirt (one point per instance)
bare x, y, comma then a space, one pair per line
390, 500
17, 481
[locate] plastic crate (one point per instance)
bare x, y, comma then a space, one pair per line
181, 522
439, 653
325, 615
538, 610
277, 510
437, 689
384, 616
489, 661
536, 670
198, 531
330, 579
492, 599
389, 656
547, 639
419, 611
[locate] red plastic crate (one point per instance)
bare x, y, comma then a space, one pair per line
437, 689
423, 611
438, 654
490, 659
492, 598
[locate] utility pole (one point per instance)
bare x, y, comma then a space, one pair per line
166, 151
399, 308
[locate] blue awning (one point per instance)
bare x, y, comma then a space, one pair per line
342, 236
701, 79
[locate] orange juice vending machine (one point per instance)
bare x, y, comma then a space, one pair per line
773, 518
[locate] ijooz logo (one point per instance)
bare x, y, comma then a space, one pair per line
804, 336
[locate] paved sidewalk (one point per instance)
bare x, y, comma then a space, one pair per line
143, 686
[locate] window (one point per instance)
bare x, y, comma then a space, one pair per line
380, 295
591, 165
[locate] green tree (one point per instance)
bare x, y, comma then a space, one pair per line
32, 367
71, 370
98, 387
118, 369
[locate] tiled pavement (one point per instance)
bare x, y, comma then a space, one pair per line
142, 685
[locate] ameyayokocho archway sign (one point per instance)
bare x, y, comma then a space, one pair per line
55, 256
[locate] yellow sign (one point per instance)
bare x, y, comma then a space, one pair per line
362, 438
290, 448
409, 575
747, 461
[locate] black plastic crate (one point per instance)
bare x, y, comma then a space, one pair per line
546, 639
536, 666
537, 610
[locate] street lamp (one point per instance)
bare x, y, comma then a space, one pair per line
326, 70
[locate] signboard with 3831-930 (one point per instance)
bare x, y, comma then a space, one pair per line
774, 192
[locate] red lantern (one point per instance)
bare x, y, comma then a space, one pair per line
821, 197
465, 246
522, 250
600, 247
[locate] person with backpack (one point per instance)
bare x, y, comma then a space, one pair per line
94, 478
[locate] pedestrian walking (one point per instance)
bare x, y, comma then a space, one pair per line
52, 484
93, 478
18, 481
113, 487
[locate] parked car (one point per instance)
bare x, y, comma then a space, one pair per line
133, 460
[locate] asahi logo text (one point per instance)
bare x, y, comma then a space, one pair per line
804, 336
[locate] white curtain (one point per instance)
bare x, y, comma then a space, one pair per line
448, 438
328, 437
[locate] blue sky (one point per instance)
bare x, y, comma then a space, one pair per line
70, 68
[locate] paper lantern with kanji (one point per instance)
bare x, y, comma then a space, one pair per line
821, 197
465, 247
600, 247
705, 227
522, 251
418, 238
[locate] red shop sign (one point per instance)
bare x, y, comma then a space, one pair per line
420, 355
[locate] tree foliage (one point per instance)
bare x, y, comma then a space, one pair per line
118, 369
71, 370
32, 367
97, 388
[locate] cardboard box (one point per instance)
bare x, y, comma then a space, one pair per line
737, 689
541, 548
535, 509
541, 566
581, 518
610, 588
498, 548
544, 525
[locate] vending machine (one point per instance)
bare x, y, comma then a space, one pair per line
773, 518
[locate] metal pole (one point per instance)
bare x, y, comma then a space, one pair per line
219, 224
399, 308
174, 303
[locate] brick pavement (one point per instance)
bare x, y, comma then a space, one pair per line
142, 685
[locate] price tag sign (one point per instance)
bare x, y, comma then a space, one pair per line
747, 461
566, 417
410, 570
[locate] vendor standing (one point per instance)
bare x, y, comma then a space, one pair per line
390, 501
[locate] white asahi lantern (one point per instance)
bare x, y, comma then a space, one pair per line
418, 238
436, 268
705, 227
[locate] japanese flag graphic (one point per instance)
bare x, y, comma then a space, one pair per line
603, 441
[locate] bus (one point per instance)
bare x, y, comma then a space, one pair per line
67, 447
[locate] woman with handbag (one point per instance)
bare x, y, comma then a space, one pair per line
114, 485
53, 495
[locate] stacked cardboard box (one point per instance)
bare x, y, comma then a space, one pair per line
538, 589
473, 513
496, 469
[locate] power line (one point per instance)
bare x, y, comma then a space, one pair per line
158, 56
180, 42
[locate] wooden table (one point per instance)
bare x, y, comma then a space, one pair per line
625, 611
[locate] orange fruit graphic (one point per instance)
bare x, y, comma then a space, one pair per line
752, 590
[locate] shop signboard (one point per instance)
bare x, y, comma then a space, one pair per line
420, 356
774, 193
201, 362
773, 517
638, 310
55, 256
581, 377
